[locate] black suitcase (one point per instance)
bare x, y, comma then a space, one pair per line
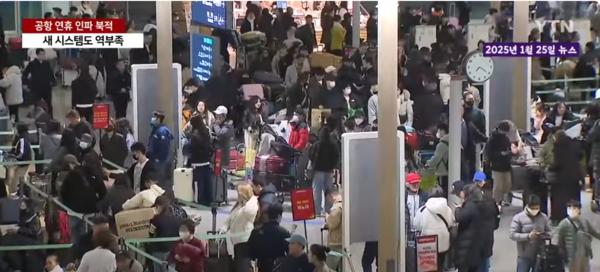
218, 255
549, 258
10, 210
219, 188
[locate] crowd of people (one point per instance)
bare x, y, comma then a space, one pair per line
218, 115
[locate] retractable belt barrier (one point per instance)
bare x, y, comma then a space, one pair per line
15, 163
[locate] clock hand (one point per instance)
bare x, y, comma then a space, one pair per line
479, 68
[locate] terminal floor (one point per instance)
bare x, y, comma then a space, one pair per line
505, 252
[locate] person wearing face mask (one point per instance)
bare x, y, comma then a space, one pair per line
188, 254
415, 199
317, 89
324, 157
439, 160
159, 145
299, 134
468, 246
147, 197
140, 171
163, 224
499, 154
528, 228
113, 145
250, 23
79, 126
40, 78
473, 134
241, 220
269, 242
223, 131
574, 238
118, 87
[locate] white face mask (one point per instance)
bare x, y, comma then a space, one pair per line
347, 91
83, 145
358, 121
533, 212
438, 135
330, 84
572, 213
184, 235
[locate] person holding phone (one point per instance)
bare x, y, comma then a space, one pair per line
529, 228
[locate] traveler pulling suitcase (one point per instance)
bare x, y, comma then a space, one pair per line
182, 184
218, 255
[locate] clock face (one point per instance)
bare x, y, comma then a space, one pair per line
478, 67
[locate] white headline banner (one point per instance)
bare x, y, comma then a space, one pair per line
83, 40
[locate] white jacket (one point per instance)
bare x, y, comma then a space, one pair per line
445, 87
241, 220
372, 108
143, 199
14, 86
405, 107
427, 221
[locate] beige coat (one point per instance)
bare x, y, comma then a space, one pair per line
333, 221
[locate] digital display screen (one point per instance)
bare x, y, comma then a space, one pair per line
210, 13
204, 50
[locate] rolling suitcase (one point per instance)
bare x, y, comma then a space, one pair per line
218, 255
271, 164
219, 188
182, 184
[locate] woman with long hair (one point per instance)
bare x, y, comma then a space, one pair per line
559, 115
207, 116
199, 158
164, 224
253, 122
84, 91
318, 257
566, 171
241, 220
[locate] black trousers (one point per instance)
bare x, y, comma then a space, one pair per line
370, 254
241, 257
86, 113
120, 101
13, 110
443, 182
47, 97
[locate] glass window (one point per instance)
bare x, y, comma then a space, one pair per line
30, 9
7, 15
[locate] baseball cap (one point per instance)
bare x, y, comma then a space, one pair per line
479, 177
457, 187
298, 239
329, 69
221, 110
413, 178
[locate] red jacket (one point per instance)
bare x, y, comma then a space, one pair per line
194, 250
299, 136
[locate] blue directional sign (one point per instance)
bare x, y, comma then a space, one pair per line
210, 13
204, 54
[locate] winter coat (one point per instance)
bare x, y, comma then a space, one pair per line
405, 108
268, 243
241, 220
114, 148
13, 84
159, 144
324, 156
468, 243
572, 240
333, 221
144, 199
520, 227
194, 250
566, 165
439, 160
338, 35
490, 221
77, 192
253, 119
295, 264
22, 149
372, 106
49, 144
161, 226
84, 91
497, 144
307, 35
299, 136
428, 221
115, 198
224, 134
42, 78
593, 137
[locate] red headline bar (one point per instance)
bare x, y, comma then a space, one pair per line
74, 26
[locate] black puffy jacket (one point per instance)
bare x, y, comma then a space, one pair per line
468, 244
490, 220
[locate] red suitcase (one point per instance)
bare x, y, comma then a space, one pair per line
271, 164
236, 160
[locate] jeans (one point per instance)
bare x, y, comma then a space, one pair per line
161, 256
525, 264
485, 265
369, 255
322, 182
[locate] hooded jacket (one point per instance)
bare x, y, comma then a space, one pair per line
299, 136
439, 161
14, 86
428, 221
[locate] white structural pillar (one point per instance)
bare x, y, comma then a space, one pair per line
164, 26
455, 124
355, 24
520, 81
391, 224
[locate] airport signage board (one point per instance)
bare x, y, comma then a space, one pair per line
101, 116
303, 204
205, 50
427, 249
210, 13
